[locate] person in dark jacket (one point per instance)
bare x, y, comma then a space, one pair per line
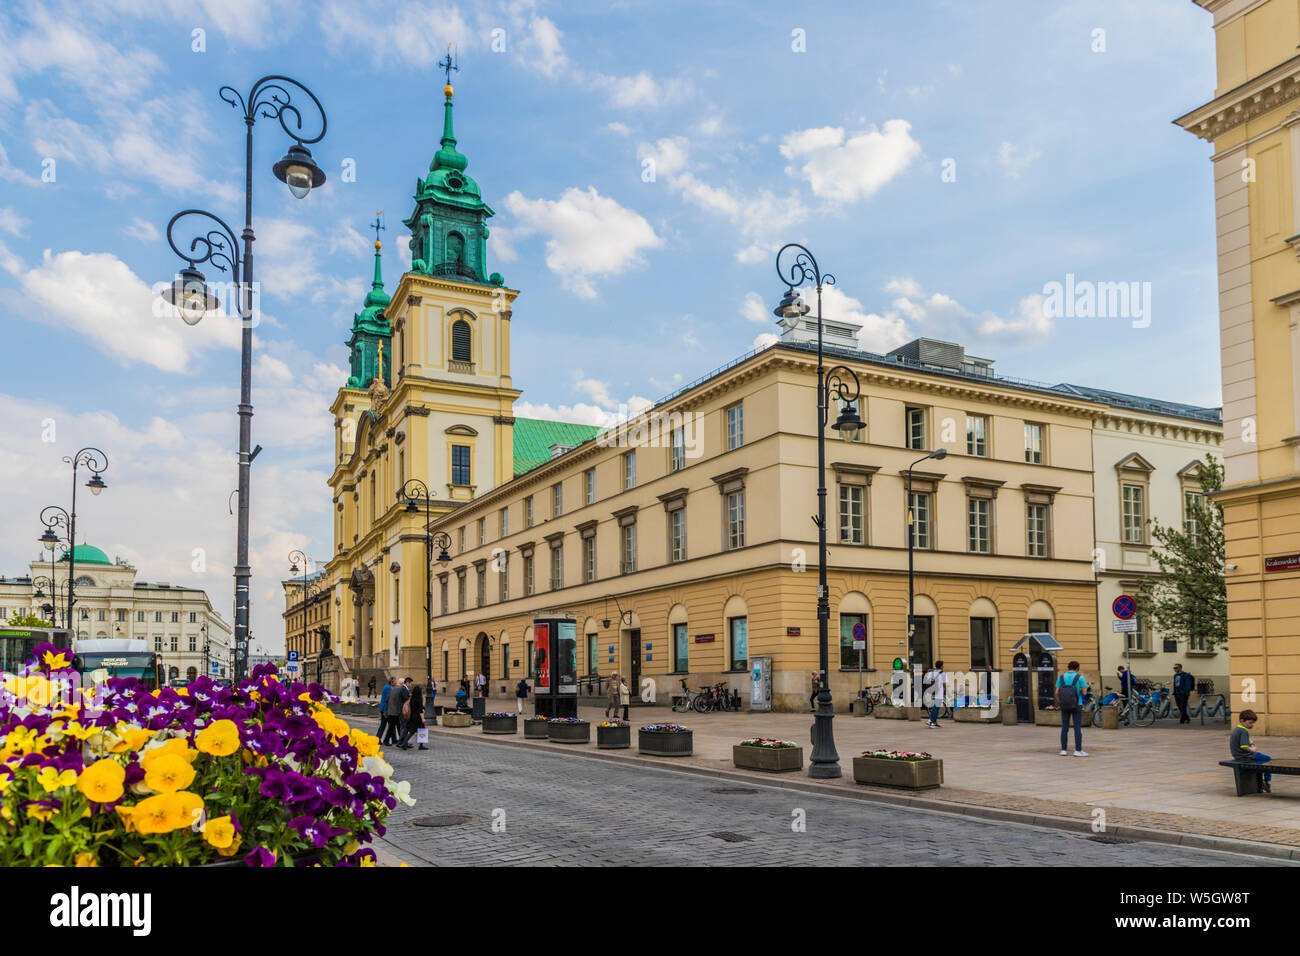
1241, 748
462, 698
416, 720
1183, 684
521, 693
383, 707
398, 696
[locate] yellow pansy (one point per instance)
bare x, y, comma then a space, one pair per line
39, 691
75, 729
168, 774
38, 812
130, 738
50, 779
102, 781
367, 744
177, 746
56, 661
166, 812
367, 861
220, 738
219, 832
86, 859
72, 711
20, 740
234, 846
183, 691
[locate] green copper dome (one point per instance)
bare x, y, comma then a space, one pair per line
87, 554
370, 328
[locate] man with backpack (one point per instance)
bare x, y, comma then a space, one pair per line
1070, 687
1183, 685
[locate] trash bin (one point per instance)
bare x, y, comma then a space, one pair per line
479, 708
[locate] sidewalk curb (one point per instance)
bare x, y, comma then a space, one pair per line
1197, 841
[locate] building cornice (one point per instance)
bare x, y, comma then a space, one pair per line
1257, 96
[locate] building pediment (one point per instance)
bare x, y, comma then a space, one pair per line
1134, 462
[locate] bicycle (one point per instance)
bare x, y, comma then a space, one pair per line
706, 700
1216, 711
1092, 705
873, 696
683, 704
1154, 705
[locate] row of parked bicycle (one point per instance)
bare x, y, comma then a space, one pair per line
1154, 702
707, 699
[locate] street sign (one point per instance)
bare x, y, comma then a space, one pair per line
1121, 627
1124, 607
216, 667
859, 636
293, 656
291, 667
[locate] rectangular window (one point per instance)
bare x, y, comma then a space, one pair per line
460, 590
1192, 500
442, 593
849, 655
589, 559
121, 616
504, 519
1137, 640
852, 525
175, 642
629, 548
176, 617
977, 525
401, 468
981, 643
976, 443
557, 500
735, 427
1033, 443
681, 649
629, 471
503, 576
397, 598
528, 574
528, 512
480, 575
102, 615
157, 617
677, 458
461, 531
460, 465
157, 642
505, 660
677, 535
1134, 515
139, 616
193, 642
738, 639
593, 654
916, 428
557, 568
589, 484
735, 520
446, 666
919, 506
1036, 529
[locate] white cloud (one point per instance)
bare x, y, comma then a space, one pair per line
12, 174
141, 229
914, 312
11, 222
1014, 160
416, 34
844, 168
587, 235
754, 309
97, 297
580, 414
541, 46
764, 340
641, 91
622, 129
1030, 320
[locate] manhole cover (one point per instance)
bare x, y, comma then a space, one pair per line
729, 837
732, 790
1109, 840
444, 820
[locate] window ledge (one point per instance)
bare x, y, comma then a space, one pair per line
1143, 653
1201, 653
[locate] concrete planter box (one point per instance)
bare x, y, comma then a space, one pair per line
455, 720
972, 715
772, 759
613, 738
1109, 717
889, 712
501, 725
918, 713
1009, 716
535, 728
579, 733
858, 708
909, 774
1047, 718
666, 744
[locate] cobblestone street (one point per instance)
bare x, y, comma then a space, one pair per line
559, 809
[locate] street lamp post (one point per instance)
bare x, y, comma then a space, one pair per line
801, 268
53, 517
215, 243
309, 590
938, 455
96, 462
412, 491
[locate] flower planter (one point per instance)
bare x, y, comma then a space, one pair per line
453, 719
501, 725
579, 733
908, 774
1047, 718
889, 712
918, 713
1109, 717
665, 744
535, 728
613, 738
969, 715
1009, 716
772, 759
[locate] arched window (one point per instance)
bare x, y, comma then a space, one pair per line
174, 673
461, 342
191, 673
455, 249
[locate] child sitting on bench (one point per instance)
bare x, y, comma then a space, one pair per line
1242, 749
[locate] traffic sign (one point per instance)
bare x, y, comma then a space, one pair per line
1124, 607
293, 655
859, 636
216, 667
291, 667
1121, 627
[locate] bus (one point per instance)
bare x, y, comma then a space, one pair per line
99, 659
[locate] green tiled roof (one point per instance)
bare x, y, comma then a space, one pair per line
534, 438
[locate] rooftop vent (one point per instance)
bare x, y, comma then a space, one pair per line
558, 450
933, 352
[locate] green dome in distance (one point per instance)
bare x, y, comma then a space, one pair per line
88, 554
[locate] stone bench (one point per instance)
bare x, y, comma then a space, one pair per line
1247, 775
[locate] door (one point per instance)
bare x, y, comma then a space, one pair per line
634, 660
485, 665
923, 643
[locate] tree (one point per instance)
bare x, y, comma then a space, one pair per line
28, 620
1188, 599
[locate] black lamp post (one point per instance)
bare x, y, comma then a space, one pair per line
53, 516
39, 584
310, 589
938, 455
802, 268
215, 243
411, 492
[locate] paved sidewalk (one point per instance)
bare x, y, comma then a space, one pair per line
1159, 778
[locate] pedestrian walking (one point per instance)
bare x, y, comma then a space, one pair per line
816, 689
481, 683
1183, 684
370, 689
624, 697
1125, 678
934, 684
521, 693
612, 696
399, 699
383, 707
1242, 749
1069, 694
415, 718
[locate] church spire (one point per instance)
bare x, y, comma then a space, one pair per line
370, 328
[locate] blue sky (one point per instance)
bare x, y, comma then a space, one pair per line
1065, 162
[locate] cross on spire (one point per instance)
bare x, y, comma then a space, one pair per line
378, 223
447, 64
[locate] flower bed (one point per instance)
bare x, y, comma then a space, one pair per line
262, 773
500, 723
665, 740
568, 730
909, 769
763, 753
613, 735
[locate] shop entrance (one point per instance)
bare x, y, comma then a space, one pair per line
634, 661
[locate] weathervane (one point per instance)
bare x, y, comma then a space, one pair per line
378, 223
447, 64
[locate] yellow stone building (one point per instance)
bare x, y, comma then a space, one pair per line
1253, 122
